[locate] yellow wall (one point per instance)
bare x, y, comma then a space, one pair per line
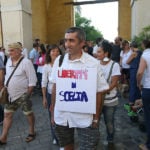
124, 27
39, 20
50, 18
60, 17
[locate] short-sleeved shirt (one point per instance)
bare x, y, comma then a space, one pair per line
125, 57
74, 119
47, 70
115, 72
1, 63
23, 77
146, 76
2, 55
34, 55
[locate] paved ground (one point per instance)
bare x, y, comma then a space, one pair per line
127, 137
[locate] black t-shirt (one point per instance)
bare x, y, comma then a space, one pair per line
115, 55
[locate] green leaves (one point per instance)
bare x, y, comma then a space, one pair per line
91, 33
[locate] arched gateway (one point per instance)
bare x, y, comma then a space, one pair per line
24, 20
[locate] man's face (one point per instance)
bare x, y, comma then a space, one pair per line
73, 44
14, 53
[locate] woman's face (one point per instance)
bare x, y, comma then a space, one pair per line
100, 53
54, 53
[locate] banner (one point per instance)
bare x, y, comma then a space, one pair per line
76, 90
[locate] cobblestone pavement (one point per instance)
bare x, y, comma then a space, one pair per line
127, 137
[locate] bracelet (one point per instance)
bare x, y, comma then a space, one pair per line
95, 121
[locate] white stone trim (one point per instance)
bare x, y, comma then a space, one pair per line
18, 7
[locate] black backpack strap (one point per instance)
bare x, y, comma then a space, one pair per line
110, 72
61, 60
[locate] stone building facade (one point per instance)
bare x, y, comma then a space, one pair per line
140, 16
24, 20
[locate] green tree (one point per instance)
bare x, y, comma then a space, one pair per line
144, 34
91, 33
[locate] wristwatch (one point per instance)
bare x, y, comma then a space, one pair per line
95, 121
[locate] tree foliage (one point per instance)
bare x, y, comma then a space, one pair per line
144, 34
91, 33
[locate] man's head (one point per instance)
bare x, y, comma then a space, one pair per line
74, 40
14, 50
79, 32
118, 40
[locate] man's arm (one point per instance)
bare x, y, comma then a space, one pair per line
142, 67
1, 78
99, 106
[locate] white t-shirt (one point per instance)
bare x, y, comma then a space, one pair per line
115, 72
125, 57
74, 119
47, 69
95, 48
146, 76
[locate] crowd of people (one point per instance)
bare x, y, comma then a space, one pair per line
63, 73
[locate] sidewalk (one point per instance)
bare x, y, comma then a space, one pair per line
127, 137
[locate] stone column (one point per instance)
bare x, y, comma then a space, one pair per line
16, 22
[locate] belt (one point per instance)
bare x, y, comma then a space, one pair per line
111, 98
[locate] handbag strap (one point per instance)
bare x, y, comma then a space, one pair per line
61, 59
14, 71
110, 72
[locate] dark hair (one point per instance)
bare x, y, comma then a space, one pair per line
61, 42
134, 44
51, 47
80, 33
124, 43
43, 50
19, 43
85, 46
37, 40
35, 45
107, 47
146, 43
98, 40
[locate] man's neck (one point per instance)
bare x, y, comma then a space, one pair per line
75, 56
16, 59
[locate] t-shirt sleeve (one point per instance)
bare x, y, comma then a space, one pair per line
31, 55
101, 81
1, 63
116, 70
54, 70
30, 72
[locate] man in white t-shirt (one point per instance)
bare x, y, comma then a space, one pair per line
73, 68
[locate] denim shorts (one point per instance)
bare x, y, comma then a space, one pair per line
25, 104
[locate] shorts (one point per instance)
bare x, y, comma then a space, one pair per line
65, 135
23, 102
88, 137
